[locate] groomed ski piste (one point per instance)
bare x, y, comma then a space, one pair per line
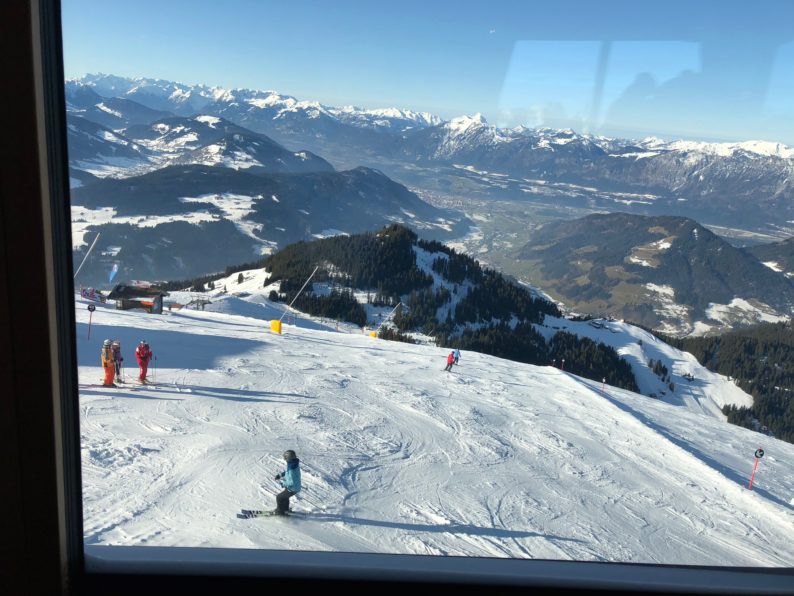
496, 459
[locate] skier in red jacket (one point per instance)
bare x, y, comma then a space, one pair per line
450, 361
144, 355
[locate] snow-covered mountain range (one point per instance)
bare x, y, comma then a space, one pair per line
147, 179
187, 100
745, 184
495, 459
122, 128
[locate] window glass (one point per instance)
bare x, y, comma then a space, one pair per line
486, 280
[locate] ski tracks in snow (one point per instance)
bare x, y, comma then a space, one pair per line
494, 459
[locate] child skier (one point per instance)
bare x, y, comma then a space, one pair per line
143, 354
290, 480
450, 361
115, 346
456, 353
108, 363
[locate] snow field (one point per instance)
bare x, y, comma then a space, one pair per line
497, 459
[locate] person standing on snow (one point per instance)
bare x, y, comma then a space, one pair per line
115, 346
290, 480
450, 361
456, 354
143, 354
108, 363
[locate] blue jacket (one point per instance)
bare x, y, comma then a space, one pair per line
457, 353
291, 480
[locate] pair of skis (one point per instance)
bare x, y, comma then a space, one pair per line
129, 385
251, 513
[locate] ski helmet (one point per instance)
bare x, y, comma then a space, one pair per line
107, 342
289, 454
143, 342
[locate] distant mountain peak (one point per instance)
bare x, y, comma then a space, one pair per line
753, 148
463, 123
668, 272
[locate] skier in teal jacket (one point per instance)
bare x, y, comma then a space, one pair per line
290, 480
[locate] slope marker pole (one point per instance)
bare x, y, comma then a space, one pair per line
759, 453
91, 309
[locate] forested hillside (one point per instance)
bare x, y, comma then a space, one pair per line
761, 360
437, 292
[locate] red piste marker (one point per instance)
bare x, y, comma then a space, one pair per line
759, 453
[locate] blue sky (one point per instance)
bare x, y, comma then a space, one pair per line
710, 70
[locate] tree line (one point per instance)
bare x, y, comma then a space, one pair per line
475, 308
484, 300
760, 360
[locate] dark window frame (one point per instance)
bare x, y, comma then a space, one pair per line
43, 542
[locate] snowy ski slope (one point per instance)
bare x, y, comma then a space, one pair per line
497, 459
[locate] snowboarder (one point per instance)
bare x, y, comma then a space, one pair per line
108, 363
115, 346
450, 361
143, 354
290, 480
456, 353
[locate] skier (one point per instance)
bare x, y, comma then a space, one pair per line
143, 354
456, 353
108, 363
117, 359
450, 361
290, 480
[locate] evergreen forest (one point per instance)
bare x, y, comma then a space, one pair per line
475, 309
760, 360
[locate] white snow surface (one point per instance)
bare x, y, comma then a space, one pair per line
706, 394
235, 208
740, 309
496, 459
83, 218
105, 166
330, 233
762, 148
639, 261
210, 121
104, 108
774, 266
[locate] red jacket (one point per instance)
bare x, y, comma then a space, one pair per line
450, 358
143, 354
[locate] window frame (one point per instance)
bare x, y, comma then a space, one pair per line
43, 437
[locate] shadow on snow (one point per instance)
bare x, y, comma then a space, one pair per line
451, 528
